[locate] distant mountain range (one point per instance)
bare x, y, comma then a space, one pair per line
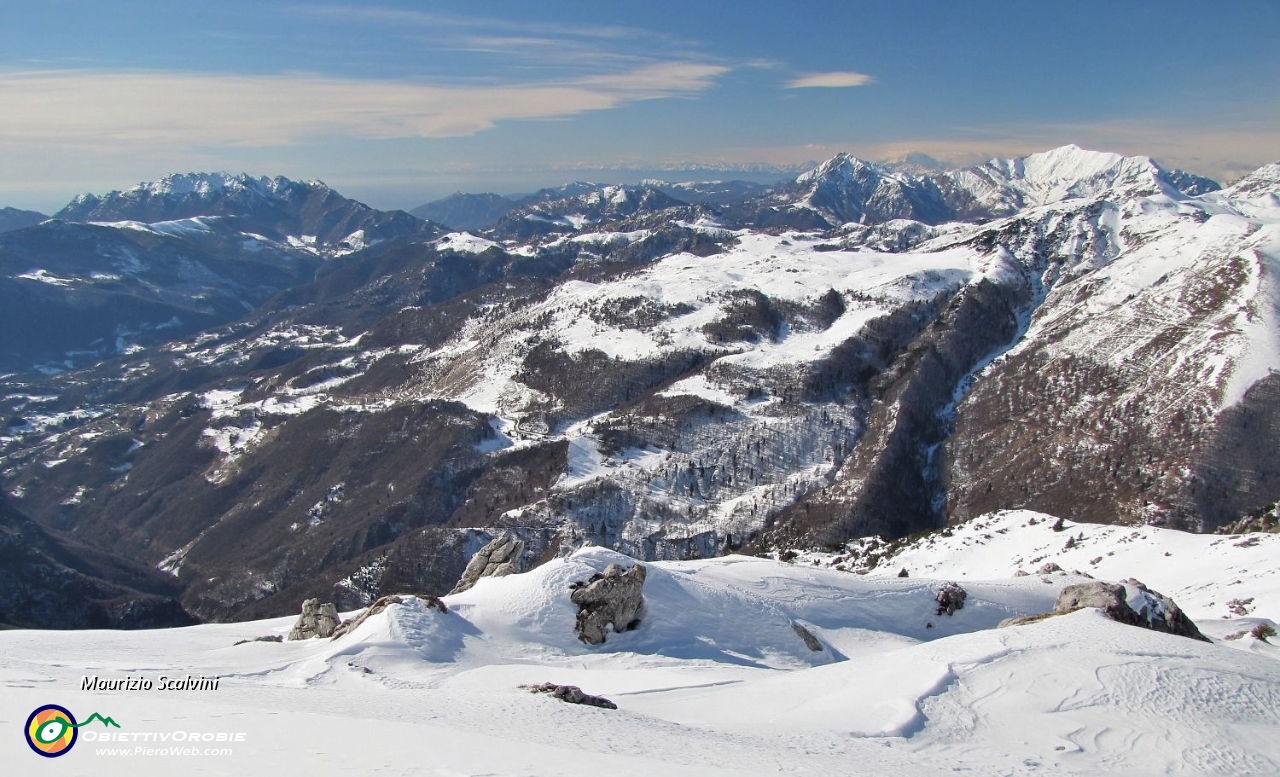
276, 208
481, 211
672, 370
110, 274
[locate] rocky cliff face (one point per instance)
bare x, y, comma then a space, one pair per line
660, 379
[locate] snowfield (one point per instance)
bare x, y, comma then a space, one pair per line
716, 680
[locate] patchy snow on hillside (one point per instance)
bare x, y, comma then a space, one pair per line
464, 243
482, 362
717, 679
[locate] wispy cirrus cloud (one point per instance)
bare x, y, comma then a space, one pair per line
548, 43
832, 80
183, 110
401, 18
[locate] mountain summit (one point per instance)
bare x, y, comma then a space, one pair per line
846, 189
279, 208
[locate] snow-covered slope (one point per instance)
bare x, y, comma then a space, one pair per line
716, 680
847, 189
1227, 583
1163, 309
674, 387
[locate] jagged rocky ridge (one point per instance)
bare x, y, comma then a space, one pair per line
659, 378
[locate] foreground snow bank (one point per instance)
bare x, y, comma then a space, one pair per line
716, 680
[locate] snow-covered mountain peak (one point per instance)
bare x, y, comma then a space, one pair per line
1070, 171
1069, 161
843, 165
218, 184
1264, 180
201, 184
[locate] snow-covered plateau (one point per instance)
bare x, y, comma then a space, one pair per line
717, 678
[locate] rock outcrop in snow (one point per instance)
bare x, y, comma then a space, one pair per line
1108, 597
804, 634
950, 597
571, 694
499, 558
316, 620
610, 599
1158, 612
1129, 602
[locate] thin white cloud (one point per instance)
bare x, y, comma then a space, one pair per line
81, 108
547, 52
833, 80
396, 17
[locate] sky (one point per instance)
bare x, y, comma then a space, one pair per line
396, 102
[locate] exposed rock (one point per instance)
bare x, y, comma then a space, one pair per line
950, 597
1108, 597
1155, 610
328, 620
1023, 620
810, 641
571, 694
499, 558
1159, 613
1048, 569
611, 598
903, 572
1263, 519
268, 638
382, 604
316, 620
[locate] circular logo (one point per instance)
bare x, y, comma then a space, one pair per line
51, 730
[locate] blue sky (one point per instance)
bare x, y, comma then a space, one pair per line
400, 102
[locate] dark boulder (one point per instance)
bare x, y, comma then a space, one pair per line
950, 597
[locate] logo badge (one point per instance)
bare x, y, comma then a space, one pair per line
51, 731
